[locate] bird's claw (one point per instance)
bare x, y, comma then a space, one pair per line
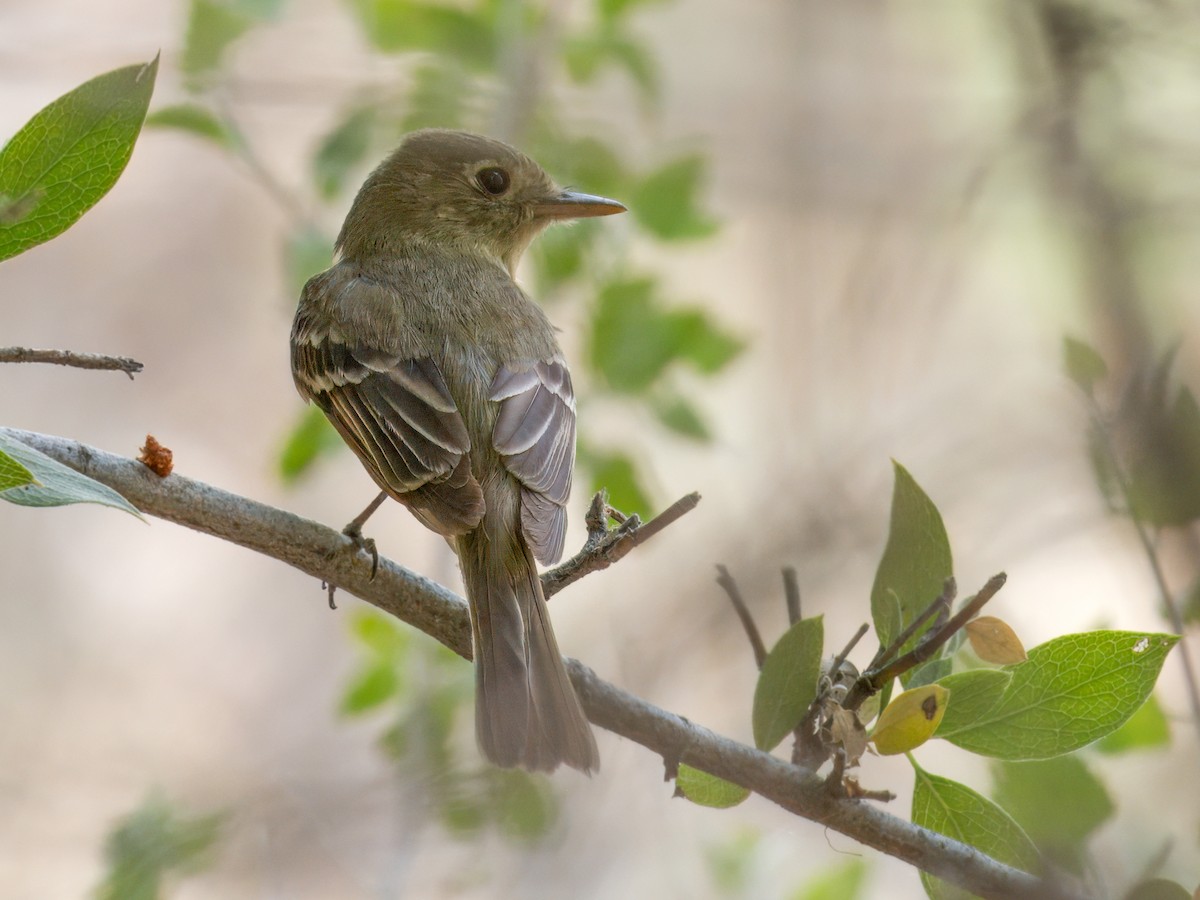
363, 545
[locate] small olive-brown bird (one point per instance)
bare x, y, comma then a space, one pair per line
446, 380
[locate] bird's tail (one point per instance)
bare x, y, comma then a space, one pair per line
526, 711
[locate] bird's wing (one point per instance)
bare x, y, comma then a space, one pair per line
535, 436
396, 414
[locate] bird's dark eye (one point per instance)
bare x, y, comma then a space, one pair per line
493, 180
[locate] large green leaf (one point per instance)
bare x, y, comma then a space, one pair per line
958, 812
787, 683
972, 696
68, 156
1071, 691
57, 485
916, 561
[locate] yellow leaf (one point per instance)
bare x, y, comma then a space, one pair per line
910, 719
994, 641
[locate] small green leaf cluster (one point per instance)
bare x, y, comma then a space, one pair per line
1073, 691
643, 347
425, 691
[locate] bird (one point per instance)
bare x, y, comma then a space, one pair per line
448, 383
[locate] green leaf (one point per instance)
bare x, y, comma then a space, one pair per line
958, 812
681, 417
844, 882
13, 474
615, 473
702, 343
1158, 889
312, 437
915, 565
631, 343
373, 686
1071, 691
708, 790
665, 202
973, 694
343, 150
194, 119
212, 27
68, 156
633, 338
1083, 364
1148, 727
151, 843
395, 26
56, 484
787, 683
1057, 801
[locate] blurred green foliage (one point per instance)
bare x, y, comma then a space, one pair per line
425, 690
485, 65
481, 65
155, 841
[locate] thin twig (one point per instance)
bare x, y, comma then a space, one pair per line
612, 546
874, 679
317, 550
725, 580
791, 594
70, 358
938, 607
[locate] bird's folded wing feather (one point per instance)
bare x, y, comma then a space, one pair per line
535, 436
398, 416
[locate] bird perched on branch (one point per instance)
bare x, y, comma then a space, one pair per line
446, 380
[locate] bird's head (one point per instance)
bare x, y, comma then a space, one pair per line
461, 192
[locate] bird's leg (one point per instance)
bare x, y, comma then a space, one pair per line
354, 532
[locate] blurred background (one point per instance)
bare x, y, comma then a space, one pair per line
858, 232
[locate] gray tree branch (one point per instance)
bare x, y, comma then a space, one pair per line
326, 553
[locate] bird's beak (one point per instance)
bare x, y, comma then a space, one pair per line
574, 205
